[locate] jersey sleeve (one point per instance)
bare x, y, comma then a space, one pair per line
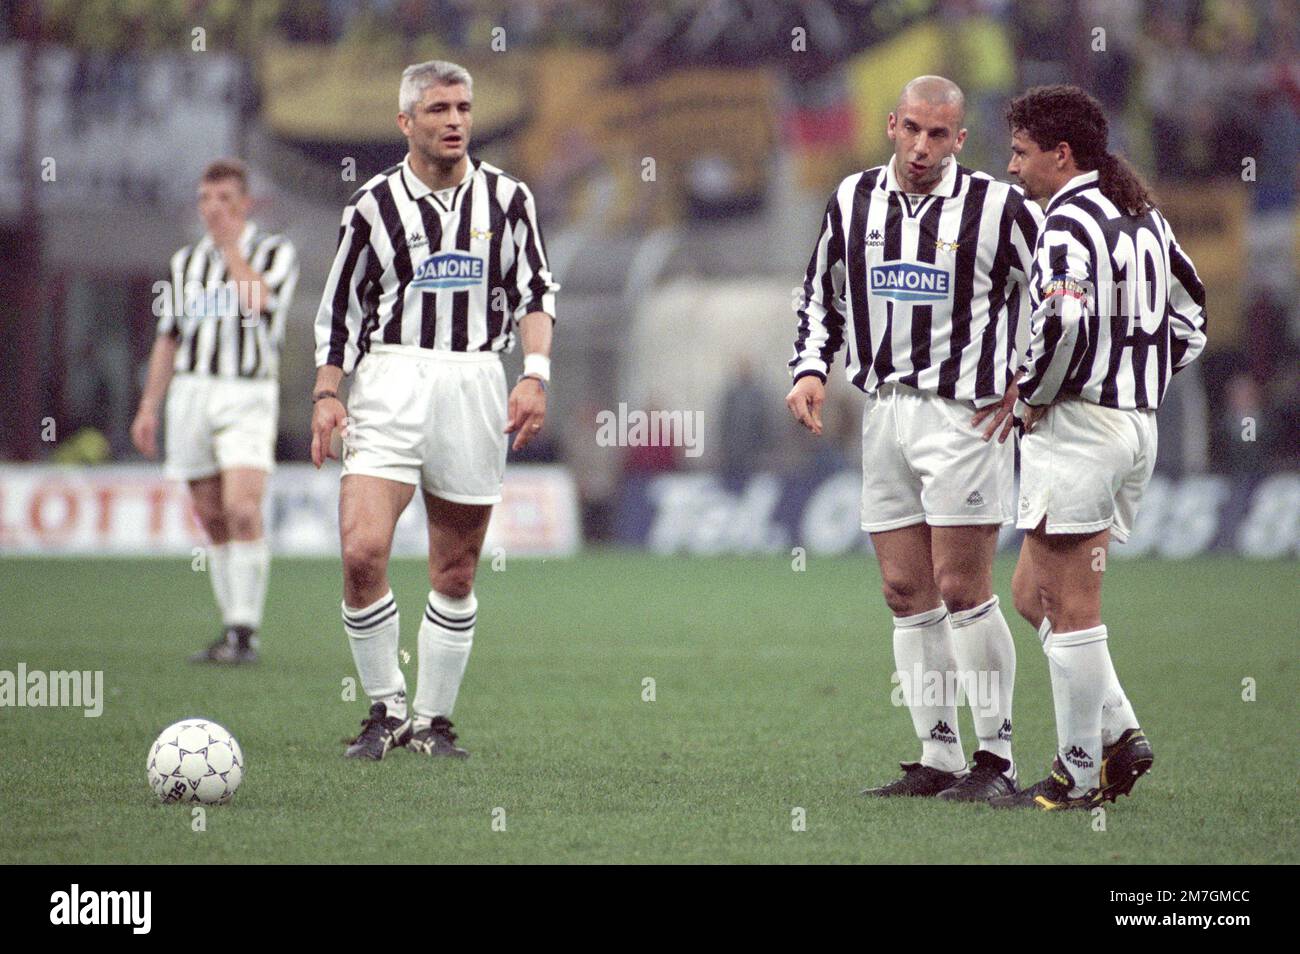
339, 318
172, 297
1187, 316
1062, 292
820, 330
534, 285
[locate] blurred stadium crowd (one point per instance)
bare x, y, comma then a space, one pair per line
681, 152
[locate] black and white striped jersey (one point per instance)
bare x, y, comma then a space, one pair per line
451, 270
1117, 305
200, 307
925, 290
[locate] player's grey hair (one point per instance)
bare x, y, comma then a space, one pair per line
418, 77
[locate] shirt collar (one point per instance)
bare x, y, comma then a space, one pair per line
946, 186
1082, 181
415, 185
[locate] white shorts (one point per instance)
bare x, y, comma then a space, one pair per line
217, 424
432, 418
1084, 468
922, 462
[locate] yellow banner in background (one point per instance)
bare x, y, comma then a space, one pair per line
645, 136
348, 92
1209, 222
877, 75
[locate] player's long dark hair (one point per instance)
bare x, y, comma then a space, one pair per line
1054, 114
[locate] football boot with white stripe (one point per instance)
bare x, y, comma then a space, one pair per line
438, 740
379, 733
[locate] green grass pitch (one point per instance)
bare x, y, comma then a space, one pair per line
772, 694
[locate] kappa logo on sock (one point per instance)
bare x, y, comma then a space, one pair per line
975, 499
1079, 757
1004, 733
942, 732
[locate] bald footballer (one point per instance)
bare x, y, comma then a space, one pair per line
919, 274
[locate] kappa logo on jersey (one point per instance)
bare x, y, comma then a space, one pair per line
908, 281
416, 239
875, 239
452, 271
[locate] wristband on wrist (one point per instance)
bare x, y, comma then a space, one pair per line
809, 372
322, 395
537, 366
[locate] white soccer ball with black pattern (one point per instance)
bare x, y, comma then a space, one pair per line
195, 760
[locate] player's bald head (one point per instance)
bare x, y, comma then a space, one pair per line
933, 91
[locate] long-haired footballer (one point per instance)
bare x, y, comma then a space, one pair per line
1118, 311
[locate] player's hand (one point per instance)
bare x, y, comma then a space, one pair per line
144, 432
1035, 414
327, 416
805, 402
526, 412
1001, 413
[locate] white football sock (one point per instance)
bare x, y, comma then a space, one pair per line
446, 637
1078, 662
373, 635
1117, 714
986, 656
1116, 711
219, 572
247, 566
923, 655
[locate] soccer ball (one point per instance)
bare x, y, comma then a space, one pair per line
195, 760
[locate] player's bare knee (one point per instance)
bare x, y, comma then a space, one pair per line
365, 561
907, 598
244, 521
961, 591
454, 579
214, 525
